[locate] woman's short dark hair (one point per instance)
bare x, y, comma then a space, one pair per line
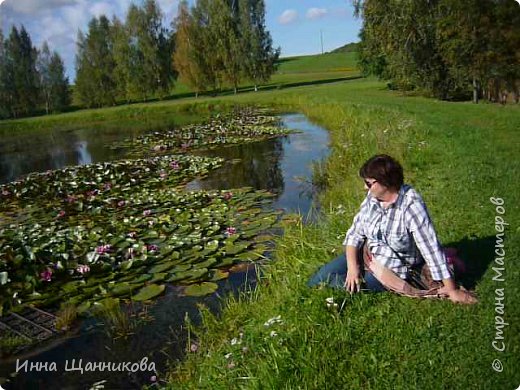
385, 169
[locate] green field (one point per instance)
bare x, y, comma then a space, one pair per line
457, 155
328, 62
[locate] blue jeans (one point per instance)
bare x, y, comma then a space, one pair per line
334, 275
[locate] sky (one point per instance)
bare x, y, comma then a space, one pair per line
297, 26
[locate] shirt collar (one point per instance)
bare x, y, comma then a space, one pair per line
398, 202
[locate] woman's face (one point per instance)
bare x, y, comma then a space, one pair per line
376, 189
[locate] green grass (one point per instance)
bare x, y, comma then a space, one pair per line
457, 155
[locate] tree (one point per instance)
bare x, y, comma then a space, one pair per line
258, 56
59, 84
445, 47
150, 51
204, 43
223, 27
122, 59
4, 105
95, 80
184, 56
42, 65
20, 73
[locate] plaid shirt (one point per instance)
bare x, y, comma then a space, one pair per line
404, 227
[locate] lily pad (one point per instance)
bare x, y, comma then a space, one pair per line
148, 292
217, 275
201, 289
122, 289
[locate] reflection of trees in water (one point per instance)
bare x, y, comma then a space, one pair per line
22, 155
259, 166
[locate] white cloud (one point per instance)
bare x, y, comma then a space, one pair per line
316, 13
168, 6
102, 8
32, 6
58, 21
288, 16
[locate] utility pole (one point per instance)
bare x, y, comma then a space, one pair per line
321, 38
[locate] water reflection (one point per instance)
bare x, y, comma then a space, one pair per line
282, 165
84, 156
55, 149
256, 165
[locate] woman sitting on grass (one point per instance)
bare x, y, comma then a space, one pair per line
392, 239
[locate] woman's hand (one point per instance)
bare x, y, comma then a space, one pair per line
459, 296
353, 280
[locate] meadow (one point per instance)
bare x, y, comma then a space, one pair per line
282, 335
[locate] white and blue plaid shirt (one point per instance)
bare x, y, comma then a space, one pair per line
404, 227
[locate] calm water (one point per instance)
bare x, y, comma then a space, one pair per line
281, 165
54, 149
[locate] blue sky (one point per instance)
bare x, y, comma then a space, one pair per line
295, 25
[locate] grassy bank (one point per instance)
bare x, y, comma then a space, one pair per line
457, 155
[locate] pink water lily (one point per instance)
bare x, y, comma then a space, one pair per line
230, 231
228, 195
46, 275
5, 193
121, 203
146, 213
83, 269
102, 249
61, 213
107, 186
175, 165
152, 248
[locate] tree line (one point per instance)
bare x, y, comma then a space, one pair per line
31, 79
124, 61
212, 45
452, 49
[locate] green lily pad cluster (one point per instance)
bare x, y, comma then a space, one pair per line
238, 127
166, 236
125, 229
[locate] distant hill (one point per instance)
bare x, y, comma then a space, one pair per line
348, 48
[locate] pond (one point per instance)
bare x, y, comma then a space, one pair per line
280, 165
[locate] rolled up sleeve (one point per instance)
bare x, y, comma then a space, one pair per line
356, 234
423, 231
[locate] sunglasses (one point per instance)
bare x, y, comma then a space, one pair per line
370, 184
